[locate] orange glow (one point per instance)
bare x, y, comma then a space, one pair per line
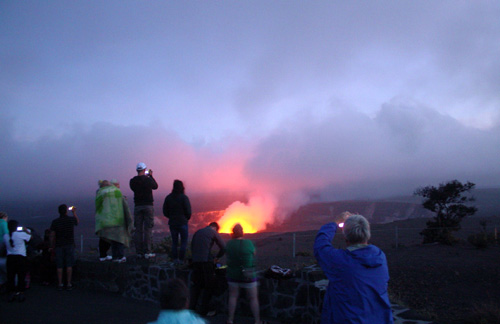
228, 225
253, 217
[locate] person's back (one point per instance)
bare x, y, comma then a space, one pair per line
177, 209
64, 228
178, 317
361, 289
109, 208
240, 253
203, 274
62, 232
143, 186
358, 276
202, 242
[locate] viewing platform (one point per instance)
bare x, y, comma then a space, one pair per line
294, 300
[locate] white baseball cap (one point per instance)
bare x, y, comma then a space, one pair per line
141, 166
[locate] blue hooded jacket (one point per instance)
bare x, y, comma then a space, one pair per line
183, 316
357, 288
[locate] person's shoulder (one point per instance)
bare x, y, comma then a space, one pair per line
198, 232
135, 179
167, 316
376, 249
249, 242
188, 316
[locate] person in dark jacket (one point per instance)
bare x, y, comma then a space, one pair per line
177, 209
358, 276
143, 185
203, 280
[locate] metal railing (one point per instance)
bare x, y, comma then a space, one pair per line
401, 236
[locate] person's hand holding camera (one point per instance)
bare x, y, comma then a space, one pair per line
340, 219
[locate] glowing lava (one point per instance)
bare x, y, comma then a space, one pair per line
253, 216
227, 226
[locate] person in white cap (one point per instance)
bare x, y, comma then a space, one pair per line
143, 185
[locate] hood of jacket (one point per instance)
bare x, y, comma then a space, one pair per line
369, 256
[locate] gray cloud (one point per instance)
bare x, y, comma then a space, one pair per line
280, 97
405, 145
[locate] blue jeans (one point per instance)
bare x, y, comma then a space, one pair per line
177, 231
143, 222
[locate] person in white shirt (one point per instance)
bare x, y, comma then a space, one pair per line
15, 243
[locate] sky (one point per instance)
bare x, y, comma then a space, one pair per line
283, 100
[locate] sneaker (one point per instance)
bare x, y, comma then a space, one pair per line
106, 258
149, 255
69, 287
60, 287
121, 260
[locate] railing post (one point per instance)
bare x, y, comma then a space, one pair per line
397, 237
293, 245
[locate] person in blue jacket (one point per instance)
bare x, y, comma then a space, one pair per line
358, 276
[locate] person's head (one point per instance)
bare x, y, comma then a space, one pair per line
178, 187
12, 225
103, 183
115, 183
214, 225
356, 230
141, 168
4, 216
174, 295
63, 209
237, 231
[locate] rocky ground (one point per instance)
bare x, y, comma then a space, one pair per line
448, 284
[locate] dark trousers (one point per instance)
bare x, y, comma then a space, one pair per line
202, 284
16, 265
103, 247
176, 232
143, 223
117, 248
